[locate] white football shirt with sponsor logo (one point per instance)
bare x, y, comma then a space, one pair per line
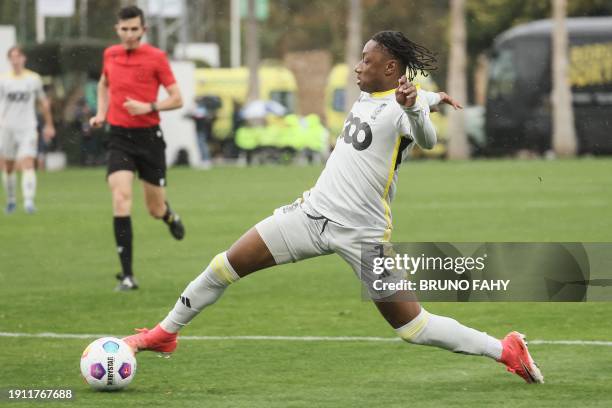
358, 183
18, 99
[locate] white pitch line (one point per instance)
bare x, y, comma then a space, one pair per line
469, 205
572, 342
292, 338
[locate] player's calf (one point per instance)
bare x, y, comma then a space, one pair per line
28, 188
122, 228
203, 291
9, 182
439, 331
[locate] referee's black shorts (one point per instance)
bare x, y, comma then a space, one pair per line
139, 150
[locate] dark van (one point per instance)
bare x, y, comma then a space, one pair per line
518, 108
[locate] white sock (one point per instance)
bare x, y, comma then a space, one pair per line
28, 185
201, 292
9, 181
439, 331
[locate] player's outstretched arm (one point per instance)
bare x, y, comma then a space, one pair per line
443, 97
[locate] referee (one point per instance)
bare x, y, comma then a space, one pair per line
127, 98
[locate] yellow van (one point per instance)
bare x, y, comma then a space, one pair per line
231, 84
334, 109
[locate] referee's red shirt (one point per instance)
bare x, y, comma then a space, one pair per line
136, 74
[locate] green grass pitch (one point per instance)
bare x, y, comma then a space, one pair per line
57, 268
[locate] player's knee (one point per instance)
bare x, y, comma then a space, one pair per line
122, 200
27, 164
411, 330
222, 269
121, 197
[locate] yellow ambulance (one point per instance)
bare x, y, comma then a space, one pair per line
231, 85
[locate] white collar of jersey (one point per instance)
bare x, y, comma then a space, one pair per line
382, 94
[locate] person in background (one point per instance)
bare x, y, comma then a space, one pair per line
20, 91
127, 98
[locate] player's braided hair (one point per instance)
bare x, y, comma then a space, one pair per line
414, 57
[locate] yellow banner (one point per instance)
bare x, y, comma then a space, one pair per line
591, 64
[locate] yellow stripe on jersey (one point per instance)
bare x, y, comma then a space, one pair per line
382, 94
387, 235
387, 187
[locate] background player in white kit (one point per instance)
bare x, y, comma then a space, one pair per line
20, 91
348, 206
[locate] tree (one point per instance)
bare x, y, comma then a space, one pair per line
564, 132
353, 51
456, 83
252, 51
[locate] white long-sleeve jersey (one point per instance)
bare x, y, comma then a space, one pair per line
358, 183
18, 98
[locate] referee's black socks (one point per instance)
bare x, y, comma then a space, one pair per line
123, 238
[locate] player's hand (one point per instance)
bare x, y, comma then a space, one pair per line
444, 98
96, 121
406, 92
48, 133
135, 107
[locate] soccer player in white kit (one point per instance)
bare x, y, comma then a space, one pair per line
349, 206
20, 90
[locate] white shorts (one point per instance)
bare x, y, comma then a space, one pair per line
16, 144
297, 231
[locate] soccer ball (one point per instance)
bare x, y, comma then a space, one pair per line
108, 364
